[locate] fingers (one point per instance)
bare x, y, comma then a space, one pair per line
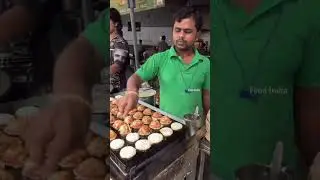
126, 104
122, 103
57, 149
127, 108
36, 152
35, 144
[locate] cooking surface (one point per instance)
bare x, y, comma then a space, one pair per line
155, 155
150, 167
142, 159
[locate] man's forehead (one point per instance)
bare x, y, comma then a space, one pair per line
187, 23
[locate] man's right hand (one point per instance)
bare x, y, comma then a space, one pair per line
53, 133
127, 103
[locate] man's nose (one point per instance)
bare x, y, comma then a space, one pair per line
181, 34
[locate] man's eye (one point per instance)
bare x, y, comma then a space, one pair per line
188, 31
177, 30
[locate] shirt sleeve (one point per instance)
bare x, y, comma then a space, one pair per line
97, 33
150, 69
309, 73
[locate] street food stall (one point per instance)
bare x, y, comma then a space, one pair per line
163, 149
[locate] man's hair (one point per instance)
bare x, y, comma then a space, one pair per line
116, 18
188, 12
163, 38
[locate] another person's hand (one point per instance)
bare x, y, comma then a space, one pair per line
127, 103
53, 133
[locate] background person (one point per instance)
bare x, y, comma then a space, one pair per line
162, 45
119, 53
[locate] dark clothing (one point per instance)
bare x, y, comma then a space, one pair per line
119, 54
41, 41
140, 50
37, 43
163, 46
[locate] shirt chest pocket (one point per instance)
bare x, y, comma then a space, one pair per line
191, 78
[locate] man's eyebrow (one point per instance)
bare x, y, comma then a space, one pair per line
183, 28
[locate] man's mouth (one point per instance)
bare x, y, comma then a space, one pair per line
181, 42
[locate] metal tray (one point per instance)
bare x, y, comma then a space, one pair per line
132, 167
151, 167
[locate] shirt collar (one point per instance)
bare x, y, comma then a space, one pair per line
197, 56
264, 7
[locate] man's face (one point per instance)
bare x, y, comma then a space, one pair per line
112, 27
184, 34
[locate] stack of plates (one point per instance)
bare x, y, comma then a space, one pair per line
26, 111
5, 119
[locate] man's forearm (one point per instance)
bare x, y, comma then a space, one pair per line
134, 83
77, 69
307, 114
206, 101
15, 22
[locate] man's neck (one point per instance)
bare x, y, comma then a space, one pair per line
187, 55
248, 5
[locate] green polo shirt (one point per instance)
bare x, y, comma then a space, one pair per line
175, 77
245, 130
97, 33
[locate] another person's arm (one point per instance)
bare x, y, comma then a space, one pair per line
307, 99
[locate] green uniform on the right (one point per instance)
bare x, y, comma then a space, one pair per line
264, 54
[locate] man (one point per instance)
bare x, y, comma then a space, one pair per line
266, 60
163, 45
149, 52
119, 51
140, 50
183, 73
